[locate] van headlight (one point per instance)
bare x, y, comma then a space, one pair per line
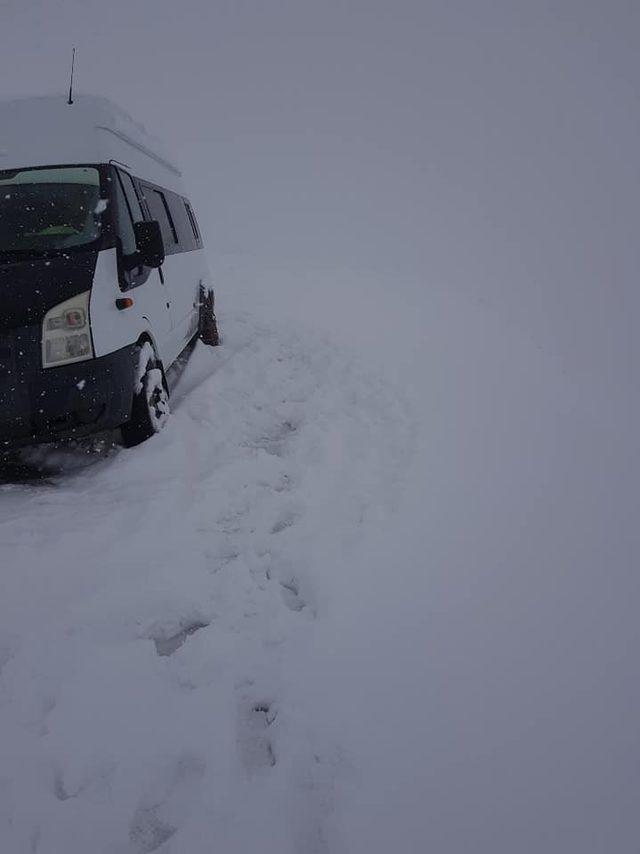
66, 336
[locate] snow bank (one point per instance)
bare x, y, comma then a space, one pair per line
153, 603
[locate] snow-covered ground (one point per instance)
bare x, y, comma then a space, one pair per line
371, 589
154, 605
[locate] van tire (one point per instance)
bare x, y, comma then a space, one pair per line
207, 323
150, 407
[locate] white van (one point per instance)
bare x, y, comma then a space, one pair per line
103, 277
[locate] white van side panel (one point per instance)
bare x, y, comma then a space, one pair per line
183, 273
113, 328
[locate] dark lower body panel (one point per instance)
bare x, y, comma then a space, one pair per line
38, 405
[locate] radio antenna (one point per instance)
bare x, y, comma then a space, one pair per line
73, 62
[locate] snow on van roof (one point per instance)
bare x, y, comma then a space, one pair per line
46, 131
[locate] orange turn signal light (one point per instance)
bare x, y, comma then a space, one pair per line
124, 302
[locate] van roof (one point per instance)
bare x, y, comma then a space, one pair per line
46, 131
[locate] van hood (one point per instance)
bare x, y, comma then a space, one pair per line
30, 287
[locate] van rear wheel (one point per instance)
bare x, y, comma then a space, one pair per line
207, 322
150, 408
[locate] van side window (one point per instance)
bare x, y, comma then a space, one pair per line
124, 220
131, 272
186, 242
159, 210
192, 220
132, 196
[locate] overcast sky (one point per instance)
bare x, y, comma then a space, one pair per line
490, 145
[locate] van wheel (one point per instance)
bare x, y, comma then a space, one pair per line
150, 408
207, 323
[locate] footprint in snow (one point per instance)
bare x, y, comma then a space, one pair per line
167, 803
59, 789
291, 595
285, 483
254, 744
285, 522
219, 560
274, 442
168, 644
148, 831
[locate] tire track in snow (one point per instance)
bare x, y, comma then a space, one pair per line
151, 602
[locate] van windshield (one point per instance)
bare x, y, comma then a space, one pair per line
46, 211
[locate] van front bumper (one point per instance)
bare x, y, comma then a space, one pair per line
38, 405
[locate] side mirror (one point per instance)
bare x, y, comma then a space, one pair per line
149, 243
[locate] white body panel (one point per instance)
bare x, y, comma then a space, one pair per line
182, 274
167, 312
112, 328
